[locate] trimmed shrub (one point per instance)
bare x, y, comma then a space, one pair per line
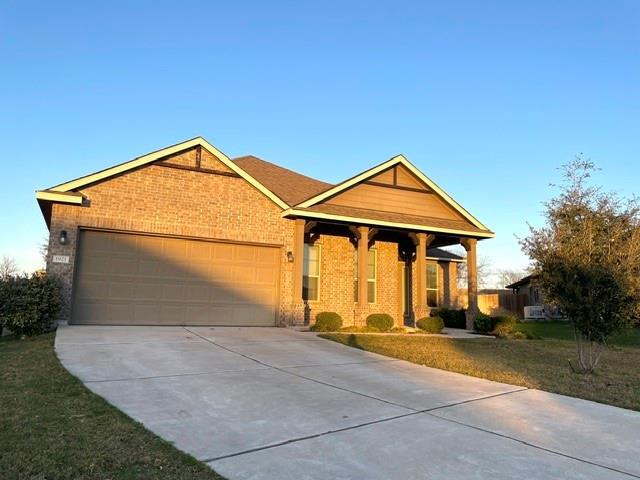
29, 305
381, 321
504, 326
451, 318
430, 324
483, 323
327, 322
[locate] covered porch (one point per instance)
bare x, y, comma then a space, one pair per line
359, 268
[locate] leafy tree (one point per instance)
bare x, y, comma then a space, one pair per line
588, 259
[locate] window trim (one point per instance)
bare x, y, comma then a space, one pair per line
375, 275
433, 289
319, 246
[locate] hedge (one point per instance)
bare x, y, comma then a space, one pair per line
381, 321
327, 322
29, 305
430, 324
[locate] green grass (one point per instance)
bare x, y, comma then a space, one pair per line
52, 427
541, 364
564, 331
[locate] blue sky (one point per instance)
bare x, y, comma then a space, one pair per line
487, 98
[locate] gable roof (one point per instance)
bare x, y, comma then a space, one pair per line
152, 157
290, 186
397, 160
296, 194
523, 281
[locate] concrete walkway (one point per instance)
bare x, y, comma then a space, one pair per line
267, 403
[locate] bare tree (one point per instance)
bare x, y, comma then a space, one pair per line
8, 268
508, 276
483, 270
44, 249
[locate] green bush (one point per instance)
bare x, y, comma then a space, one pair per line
451, 318
504, 326
483, 323
29, 305
430, 324
381, 321
327, 322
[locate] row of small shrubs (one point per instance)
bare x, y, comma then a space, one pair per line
29, 304
332, 322
452, 318
376, 322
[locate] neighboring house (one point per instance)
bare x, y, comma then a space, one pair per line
187, 236
528, 286
535, 306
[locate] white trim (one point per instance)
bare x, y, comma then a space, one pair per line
437, 287
397, 160
319, 246
382, 223
153, 156
59, 197
375, 275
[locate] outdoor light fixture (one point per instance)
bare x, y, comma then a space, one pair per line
63, 237
290, 256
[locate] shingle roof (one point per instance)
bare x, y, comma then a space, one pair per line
442, 254
290, 186
393, 217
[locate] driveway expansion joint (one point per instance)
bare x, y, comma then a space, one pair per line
528, 444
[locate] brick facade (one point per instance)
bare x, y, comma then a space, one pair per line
176, 201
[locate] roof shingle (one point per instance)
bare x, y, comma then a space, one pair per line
290, 186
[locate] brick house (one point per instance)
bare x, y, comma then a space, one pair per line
187, 236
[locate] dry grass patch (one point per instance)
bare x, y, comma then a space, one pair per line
541, 364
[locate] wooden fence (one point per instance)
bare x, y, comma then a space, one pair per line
494, 303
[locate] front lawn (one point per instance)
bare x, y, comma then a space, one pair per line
564, 331
541, 364
52, 427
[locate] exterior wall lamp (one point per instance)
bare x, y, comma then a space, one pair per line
290, 256
63, 237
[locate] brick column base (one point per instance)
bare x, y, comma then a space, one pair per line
471, 318
421, 311
293, 314
360, 315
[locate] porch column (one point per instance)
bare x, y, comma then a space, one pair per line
469, 245
298, 259
363, 262
422, 243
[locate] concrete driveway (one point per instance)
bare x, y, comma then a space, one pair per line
267, 403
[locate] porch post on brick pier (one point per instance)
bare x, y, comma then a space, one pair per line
298, 260
363, 263
469, 245
422, 243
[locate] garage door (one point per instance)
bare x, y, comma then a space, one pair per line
126, 279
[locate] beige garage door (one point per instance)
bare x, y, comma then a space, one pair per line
125, 279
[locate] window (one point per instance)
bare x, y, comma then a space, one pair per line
372, 267
432, 284
311, 275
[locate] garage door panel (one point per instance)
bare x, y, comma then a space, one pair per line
146, 280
